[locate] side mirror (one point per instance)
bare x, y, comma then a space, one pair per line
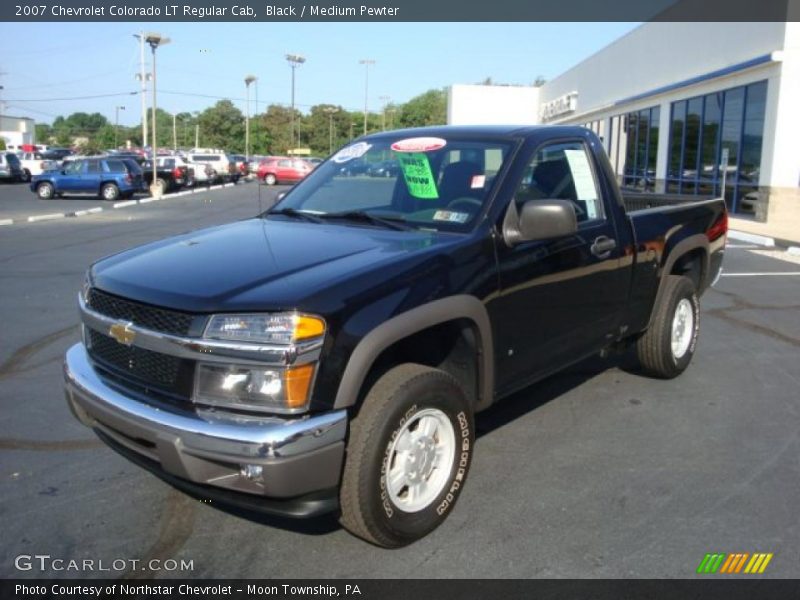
539, 220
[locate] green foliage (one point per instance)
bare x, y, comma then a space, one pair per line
429, 108
223, 126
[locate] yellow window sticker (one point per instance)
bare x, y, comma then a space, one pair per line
418, 175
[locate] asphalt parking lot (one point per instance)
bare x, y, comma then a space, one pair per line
596, 472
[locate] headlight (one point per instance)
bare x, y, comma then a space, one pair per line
87, 285
254, 387
282, 328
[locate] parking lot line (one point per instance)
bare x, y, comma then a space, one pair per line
88, 211
33, 219
770, 274
6, 221
126, 203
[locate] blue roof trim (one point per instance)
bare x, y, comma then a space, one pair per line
753, 62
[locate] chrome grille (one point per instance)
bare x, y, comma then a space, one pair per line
145, 366
149, 317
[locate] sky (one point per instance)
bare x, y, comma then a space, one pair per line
43, 66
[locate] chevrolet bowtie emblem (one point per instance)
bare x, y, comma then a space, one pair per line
123, 333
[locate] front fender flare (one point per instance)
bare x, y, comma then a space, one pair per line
413, 321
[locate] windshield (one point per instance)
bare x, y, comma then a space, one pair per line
425, 182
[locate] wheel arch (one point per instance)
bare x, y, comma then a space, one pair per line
690, 255
447, 311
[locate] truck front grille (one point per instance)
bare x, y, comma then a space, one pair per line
149, 317
143, 367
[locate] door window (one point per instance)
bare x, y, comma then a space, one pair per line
74, 167
563, 171
93, 166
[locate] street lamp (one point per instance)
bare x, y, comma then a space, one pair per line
295, 60
385, 100
366, 62
116, 124
155, 40
247, 81
330, 110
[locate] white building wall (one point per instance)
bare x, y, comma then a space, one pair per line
492, 105
659, 54
783, 168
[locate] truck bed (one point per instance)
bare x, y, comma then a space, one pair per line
638, 200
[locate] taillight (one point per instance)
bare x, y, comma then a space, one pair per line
176, 173
719, 228
128, 178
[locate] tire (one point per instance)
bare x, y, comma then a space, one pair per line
393, 512
667, 347
270, 179
109, 191
26, 176
163, 184
45, 191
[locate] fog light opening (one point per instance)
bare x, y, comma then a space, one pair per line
251, 472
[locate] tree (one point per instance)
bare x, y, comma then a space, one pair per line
429, 108
221, 126
275, 129
43, 133
539, 81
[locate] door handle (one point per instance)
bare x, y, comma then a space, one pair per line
603, 246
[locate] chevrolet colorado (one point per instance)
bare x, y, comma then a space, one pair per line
330, 354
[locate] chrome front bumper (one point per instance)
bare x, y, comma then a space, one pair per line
290, 456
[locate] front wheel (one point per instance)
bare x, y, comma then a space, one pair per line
408, 456
270, 179
667, 347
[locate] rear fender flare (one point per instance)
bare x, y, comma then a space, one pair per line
413, 321
679, 250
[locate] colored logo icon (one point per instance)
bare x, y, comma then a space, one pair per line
737, 563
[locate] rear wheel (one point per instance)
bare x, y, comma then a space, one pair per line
26, 175
109, 191
45, 190
667, 347
408, 456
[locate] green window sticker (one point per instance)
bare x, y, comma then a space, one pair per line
418, 175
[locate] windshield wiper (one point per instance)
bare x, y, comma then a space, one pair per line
390, 222
293, 212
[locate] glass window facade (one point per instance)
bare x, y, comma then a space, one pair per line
702, 128
632, 146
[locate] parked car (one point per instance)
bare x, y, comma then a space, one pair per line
242, 165
385, 168
57, 154
353, 168
282, 169
10, 167
107, 177
172, 173
331, 353
33, 163
315, 161
219, 161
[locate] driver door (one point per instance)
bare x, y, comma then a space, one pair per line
560, 298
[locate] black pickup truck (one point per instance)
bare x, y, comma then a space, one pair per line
330, 354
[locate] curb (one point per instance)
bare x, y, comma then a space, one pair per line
98, 209
763, 240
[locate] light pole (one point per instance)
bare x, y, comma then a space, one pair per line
366, 62
116, 124
142, 77
385, 100
295, 60
330, 110
155, 40
247, 81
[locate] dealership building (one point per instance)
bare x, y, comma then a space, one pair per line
683, 108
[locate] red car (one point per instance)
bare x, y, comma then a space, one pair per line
280, 169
